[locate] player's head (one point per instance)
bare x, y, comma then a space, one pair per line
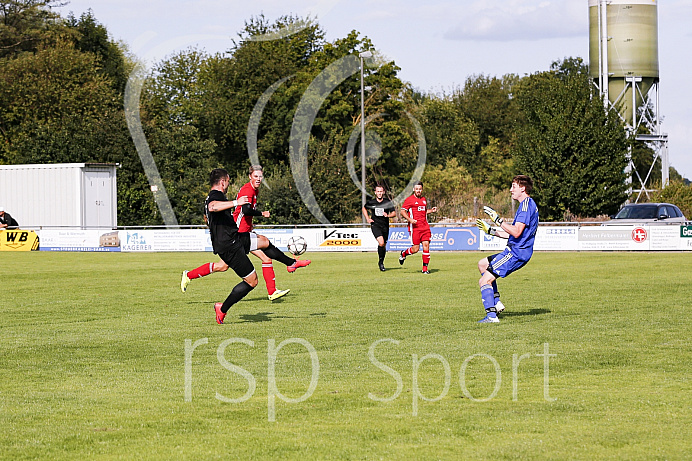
219, 177
522, 181
418, 189
379, 191
256, 175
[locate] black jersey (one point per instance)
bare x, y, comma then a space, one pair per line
379, 210
222, 226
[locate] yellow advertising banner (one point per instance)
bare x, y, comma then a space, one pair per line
18, 240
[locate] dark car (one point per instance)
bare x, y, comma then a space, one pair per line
648, 213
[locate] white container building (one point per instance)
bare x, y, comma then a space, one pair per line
82, 195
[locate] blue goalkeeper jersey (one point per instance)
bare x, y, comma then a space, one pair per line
522, 246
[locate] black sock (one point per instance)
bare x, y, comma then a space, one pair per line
382, 251
278, 255
239, 292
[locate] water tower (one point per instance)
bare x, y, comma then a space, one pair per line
623, 61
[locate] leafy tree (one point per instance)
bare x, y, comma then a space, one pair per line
487, 101
28, 25
573, 149
184, 161
171, 108
55, 107
450, 188
232, 85
449, 133
678, 193
92, 37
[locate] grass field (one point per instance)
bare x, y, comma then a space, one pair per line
98, 360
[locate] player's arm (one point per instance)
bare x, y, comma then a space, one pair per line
366, 215
218, 205
515, 230
431, 210
391, 214
406, 216
249, 211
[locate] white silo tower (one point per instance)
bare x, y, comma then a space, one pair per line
623, 61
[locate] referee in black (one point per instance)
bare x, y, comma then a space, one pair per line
382, 209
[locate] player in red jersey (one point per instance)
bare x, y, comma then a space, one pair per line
415, 211
242, 215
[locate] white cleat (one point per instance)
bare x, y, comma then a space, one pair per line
184, 282
277, 294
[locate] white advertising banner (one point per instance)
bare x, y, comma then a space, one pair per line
165, 240
339, 239
557, 239
79, 240
490, 243
664, 237
548, 238
615, 238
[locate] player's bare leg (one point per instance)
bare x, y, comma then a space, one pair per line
201, 271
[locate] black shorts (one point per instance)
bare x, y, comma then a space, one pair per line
236, 256
379, 231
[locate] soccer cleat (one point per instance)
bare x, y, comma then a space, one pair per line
402, 258
426, 271
219, 315
299, 263
277, 294
489, 319
184, 282
382, 267
499, 306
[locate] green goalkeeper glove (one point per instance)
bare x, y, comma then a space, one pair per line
482, 225
493, 215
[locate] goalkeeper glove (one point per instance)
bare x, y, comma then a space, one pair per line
493, 215
482, 225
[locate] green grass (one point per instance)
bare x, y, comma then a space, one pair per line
93, 359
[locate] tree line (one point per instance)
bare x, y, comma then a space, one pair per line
63, 84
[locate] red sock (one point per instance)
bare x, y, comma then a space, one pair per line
269, 277
426, 259
407, 252
201, 271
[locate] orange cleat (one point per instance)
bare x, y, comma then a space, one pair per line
219, 315
297, 264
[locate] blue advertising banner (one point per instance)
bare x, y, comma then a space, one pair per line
442, 239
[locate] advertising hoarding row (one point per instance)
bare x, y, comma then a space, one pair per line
456, 238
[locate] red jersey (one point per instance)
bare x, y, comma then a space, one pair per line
243, 221
417, 208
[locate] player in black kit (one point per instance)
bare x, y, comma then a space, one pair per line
382, 209
233, 246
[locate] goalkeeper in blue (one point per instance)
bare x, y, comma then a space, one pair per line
520, 236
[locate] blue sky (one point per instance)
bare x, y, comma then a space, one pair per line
437, 43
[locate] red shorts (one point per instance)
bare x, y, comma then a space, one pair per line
420, 234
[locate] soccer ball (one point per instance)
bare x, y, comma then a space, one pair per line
297, 245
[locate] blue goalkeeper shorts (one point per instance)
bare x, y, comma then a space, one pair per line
503, 264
